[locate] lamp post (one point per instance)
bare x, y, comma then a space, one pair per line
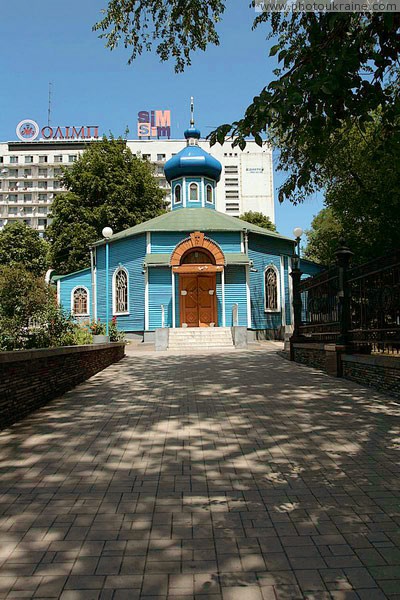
297, 304
107, 233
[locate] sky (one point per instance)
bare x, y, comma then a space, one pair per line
44, 41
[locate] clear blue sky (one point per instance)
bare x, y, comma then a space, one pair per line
43, 40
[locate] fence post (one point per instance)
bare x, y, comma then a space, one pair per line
343, 256
297, 304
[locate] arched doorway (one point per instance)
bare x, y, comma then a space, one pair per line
197, 291
197, 260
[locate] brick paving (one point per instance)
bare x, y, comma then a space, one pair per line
233, 476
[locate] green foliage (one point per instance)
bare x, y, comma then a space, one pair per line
21, 245
115, 334
178, 28
257, 218
53, 327
107, 186
362, 195
335, 70
97, 327
82, 335
29, 314
323, 238
22, 294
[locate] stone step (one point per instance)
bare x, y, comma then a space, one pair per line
204, 338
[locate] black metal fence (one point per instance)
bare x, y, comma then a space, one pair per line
359, 307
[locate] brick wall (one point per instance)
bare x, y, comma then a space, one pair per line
31, 378
312, 357
379, 372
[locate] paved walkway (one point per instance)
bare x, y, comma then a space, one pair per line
238, 476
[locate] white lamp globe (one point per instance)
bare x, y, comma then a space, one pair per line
107, 232
297, 232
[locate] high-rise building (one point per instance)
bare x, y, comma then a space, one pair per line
30, 175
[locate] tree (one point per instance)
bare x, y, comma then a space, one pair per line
21, 245
362, 196
29, 314
323, 237
257, 218
335, 70
107, 186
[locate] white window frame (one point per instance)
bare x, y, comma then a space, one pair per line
198, 191
77, 287
180, 200
115, 313
208, 185
278, 289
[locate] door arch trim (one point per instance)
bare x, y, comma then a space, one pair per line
197, 240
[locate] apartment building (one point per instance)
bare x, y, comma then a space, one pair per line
30, 176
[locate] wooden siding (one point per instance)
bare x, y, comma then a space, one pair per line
288, 312
160, 293
219, 299
128, 253
229, 241
163, 242
263, 252
235, 292
69, 282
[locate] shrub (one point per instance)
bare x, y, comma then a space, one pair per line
115, 334
97, 327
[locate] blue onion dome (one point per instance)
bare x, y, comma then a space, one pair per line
192, 132
192, 160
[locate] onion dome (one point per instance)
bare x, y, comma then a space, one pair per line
192, 160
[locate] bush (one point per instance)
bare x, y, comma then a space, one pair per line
115, 334
82, 335
29, 314
97, 327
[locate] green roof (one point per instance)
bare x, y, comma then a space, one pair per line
57, 277
232, 258
194, 219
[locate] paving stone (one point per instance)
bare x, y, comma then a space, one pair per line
241, 478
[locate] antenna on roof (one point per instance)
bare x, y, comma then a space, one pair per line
49, 108
191, 111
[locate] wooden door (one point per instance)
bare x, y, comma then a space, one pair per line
198, 303
206, 300
189, 300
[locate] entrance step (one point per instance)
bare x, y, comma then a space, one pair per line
200, 338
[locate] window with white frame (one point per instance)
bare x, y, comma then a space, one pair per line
80, 301
120, 291
177, 193
194, 192
271, 289
209, 193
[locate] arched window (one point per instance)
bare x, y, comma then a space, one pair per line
177, 193
80, 301
209, 194
271, 289
194, 192
120, 295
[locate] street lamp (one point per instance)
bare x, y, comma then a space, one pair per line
107, 233
297, 232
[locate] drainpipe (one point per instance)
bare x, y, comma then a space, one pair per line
93, 283
246, 240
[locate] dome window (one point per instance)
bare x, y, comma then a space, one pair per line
209, 194
177, 194
194, 192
